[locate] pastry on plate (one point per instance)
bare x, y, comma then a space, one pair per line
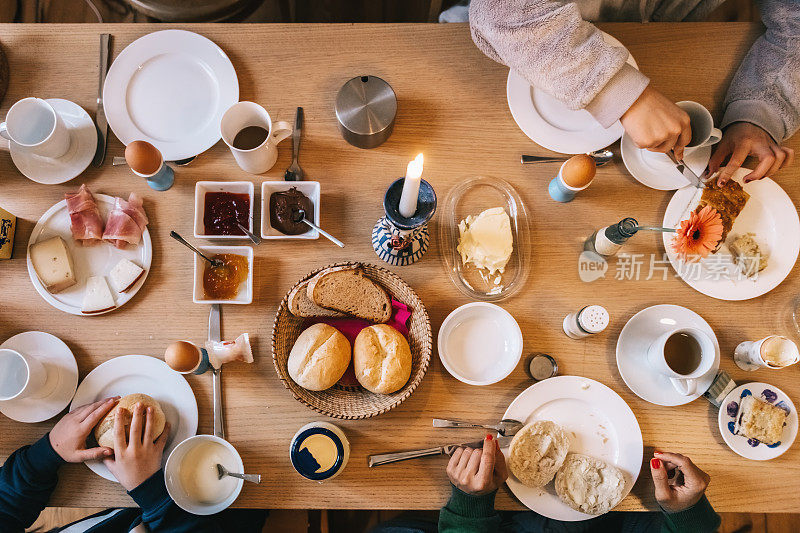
760, 420
104, 431
382, 359
728, 201
537, 452
319, 358
589, 485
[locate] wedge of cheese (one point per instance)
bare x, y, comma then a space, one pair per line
125, 275
53, 264
98, 297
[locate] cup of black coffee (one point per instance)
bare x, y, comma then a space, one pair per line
683, 355
251, 135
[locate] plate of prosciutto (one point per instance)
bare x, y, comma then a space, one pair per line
90, 253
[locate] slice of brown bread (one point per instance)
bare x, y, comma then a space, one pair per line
348, 290
301, 306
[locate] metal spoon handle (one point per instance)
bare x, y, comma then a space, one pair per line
253, 237
442, 423
252, 478
386, 458
181, 240
327, 235
527, 159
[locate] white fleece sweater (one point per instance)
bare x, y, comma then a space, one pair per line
549, 44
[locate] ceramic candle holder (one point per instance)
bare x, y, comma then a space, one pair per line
400, 240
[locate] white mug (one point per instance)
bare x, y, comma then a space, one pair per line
703, 131
261, 158
36, 127
685, 384
21, 375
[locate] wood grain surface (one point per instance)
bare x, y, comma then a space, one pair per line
452, 107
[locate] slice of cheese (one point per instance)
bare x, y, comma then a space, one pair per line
125, 275
53, 264
98, 297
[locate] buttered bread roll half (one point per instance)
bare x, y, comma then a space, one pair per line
319, 357
589, 485
537, 452
104, 431
382, 359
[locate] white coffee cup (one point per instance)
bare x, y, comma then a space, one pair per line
21, 375
261, 158
36, 127
685, 384
703, 131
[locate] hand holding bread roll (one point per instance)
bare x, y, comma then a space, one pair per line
319, 358
382, 359
104, 431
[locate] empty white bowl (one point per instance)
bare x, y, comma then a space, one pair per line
245, 295
309, 188
480, 343
236, 187
172, 476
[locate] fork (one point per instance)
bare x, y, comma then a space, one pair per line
294, 172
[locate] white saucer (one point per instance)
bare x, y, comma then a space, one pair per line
634, 340
62, 377
751, 448
656, 170
83, 145
551, 124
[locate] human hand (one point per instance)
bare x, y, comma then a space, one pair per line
68, 436
657, 124
140, 457
684, 493
742, 139
478, 472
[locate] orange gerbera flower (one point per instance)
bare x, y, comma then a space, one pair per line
700, 234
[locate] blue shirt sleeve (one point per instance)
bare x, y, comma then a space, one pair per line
160, 513
27, 479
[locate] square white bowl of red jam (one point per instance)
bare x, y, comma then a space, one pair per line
219, 205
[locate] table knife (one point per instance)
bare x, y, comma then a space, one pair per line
448, 449
100, 116
683, 168
214, 335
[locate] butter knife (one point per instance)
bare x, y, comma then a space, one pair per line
683, 168
100, 116
215, 335
448, 449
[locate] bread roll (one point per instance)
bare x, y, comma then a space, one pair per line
319, 357
104, 431
537, 452
382, 359
589, 485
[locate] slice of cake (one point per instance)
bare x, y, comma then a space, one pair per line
760, 420
728, 201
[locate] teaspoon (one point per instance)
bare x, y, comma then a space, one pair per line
299, 215
214, 262
601, 157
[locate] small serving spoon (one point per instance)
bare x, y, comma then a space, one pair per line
117, 161
601, 157
214, 262
507, 427
252, 478
253, 237
299, 215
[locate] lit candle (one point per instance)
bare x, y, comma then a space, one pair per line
408, 200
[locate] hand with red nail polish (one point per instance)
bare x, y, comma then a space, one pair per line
68, 436
680, 496
478, 472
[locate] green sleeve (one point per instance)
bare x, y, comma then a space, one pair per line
465, 513
699, 518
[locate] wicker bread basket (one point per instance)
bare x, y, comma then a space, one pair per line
352, 403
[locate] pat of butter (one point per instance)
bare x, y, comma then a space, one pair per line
53, 264
8, 224
486, 240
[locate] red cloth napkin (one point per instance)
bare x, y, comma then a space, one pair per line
351, 327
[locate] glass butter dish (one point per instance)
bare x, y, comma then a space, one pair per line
470, 198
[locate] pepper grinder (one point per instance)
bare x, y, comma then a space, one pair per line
398, 239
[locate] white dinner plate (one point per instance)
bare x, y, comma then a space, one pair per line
142, 374
551, 124
600, 424
769, 214
636, 337
62, 377
752, 448
170, 88
88, 261
656, 170
82, 147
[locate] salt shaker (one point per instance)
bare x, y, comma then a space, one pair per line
586, 321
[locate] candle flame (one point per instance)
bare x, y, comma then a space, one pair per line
414, 169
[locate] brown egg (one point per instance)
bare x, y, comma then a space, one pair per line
578, 171
182, 356
143, 157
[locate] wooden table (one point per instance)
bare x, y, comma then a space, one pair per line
452, 107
